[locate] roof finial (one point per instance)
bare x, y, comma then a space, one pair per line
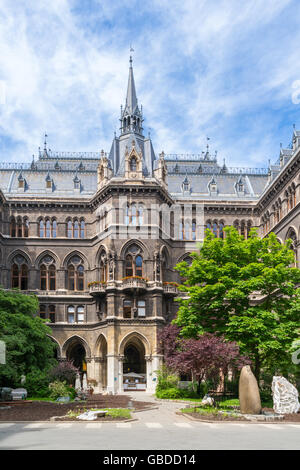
45, 142
130, 58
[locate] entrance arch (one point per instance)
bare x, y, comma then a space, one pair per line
134, 364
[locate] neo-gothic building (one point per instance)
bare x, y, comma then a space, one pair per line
96, 236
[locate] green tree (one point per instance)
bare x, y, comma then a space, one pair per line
246, 291
28, 348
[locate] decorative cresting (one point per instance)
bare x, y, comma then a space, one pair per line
133, 163
104, 171
161, 171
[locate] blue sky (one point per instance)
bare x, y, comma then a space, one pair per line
222, 69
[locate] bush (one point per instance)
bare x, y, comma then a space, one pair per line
64, 372
169, 393
59, 389
166, 379
37, 384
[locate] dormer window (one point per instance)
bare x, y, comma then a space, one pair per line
49, 184
240, 187
213, 188
133, 164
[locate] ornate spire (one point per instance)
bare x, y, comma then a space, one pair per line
131, 116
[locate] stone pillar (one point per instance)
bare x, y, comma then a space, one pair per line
90, 368
149, 383
33, 279
61, 280
121, 361
112, 373
157, 360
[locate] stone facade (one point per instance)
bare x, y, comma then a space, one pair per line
96, 236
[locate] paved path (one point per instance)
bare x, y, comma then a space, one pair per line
159, 429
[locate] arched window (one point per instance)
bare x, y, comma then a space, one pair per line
133, 215
24, 277
19, 227
75, 274
133, 262
129, 265
194, 235
126, 221
103, 269
43, 277
41, 229
221, 230
138, 266
133, 164
71, 277
26, 227
15, 276
48, 228
54, 228
75, 314
19, 273
52, 277
76, 229
215, 229
52, 313
243, 232
13, 229
42, 312
82, 229
69, 229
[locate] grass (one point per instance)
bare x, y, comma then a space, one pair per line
210, 411
112, 412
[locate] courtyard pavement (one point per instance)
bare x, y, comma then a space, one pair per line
159, 429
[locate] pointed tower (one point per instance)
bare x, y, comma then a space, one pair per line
131, 117
131, 137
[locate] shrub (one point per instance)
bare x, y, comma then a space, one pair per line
37, 384
169, 393
166, 379
64, 372
59, 389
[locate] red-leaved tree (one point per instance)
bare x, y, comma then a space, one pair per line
204, 358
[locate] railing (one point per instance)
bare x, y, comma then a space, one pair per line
134, 283
97, 288
170, 289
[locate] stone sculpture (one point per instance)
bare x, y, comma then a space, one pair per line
207, 400
249, 392
285, 396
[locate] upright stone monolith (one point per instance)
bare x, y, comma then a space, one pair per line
249, 392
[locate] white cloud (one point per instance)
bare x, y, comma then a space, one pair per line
201, 68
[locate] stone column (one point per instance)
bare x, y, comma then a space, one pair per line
157, 360
121, 361
150, 383
112, 373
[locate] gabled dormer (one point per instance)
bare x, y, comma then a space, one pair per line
133, 163
213, 187
240, 186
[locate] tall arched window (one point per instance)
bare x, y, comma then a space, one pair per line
19, 227
82, 229
48, 228
76, 229
41, 229
133, 262
215, 229
19, 273
47, 274
54, 228
103, 267
75, 274
141, 215
70, 229
13, 228
26, 227
194, 235
221, 230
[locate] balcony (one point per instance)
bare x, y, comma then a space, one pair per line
134, 283
97, 288
170, 289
